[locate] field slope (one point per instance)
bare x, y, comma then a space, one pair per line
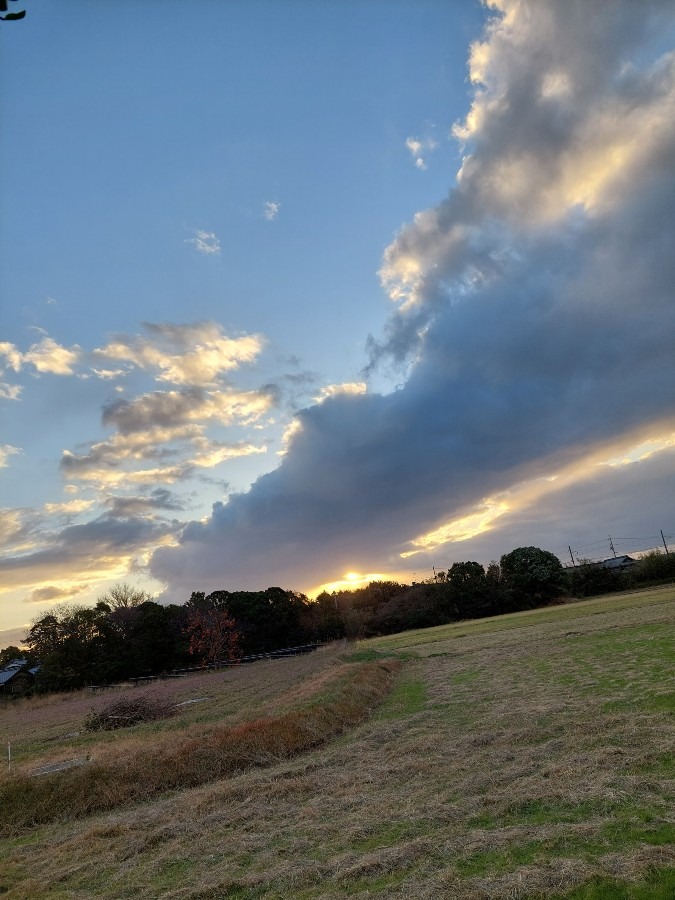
525, 756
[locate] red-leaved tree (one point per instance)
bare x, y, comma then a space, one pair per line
213, 635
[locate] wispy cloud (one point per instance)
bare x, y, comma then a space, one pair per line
419, 149
7, 450
10, 391
205, 242
68, 507
271, 210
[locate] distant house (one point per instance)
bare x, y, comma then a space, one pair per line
17, 677
618, 563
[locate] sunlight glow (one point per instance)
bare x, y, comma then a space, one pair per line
350, 581
644, 450
460, 529
631, 449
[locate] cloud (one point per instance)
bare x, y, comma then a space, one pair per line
160, 498
167, 427
170, 409
347, 387
205, 242
194, 354
533, 311
179, 451
419, 148
10, 391
271, 210
108, 374
17, 528
51, 594
7, 450
13, 637
68, 508
46, 356
104, 548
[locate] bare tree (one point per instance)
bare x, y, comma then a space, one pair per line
123, 596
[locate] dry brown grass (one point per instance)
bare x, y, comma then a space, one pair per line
46, 729
174, 762
494, 770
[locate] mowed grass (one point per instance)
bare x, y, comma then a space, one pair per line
148, 765
524, 756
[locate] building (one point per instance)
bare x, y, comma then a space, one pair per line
618, 563
17, 678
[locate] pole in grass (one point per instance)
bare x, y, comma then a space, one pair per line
9, 756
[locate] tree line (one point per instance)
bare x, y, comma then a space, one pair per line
128, 635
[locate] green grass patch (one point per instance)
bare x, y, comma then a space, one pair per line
541, 812
377, 884
371, 655
407, 697
579, 609
502, 860
613, 837
464, 677
658, 764
659, 884
387, 835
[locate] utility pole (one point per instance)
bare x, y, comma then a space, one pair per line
571, 556
612, 546
664, 542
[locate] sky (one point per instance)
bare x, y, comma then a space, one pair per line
310, 293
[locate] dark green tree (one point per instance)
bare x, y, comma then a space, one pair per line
10, 653
533, 576
266, 620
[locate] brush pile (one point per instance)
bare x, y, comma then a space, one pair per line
126, 711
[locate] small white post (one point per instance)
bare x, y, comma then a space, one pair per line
9, 756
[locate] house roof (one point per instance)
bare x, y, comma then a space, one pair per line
14, 667
618, 562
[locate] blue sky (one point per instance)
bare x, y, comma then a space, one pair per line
294, 290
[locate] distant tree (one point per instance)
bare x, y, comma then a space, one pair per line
213, 635
266, 620
533, 575
77, 645
321, 620
654, 566
65, 641
123, 596
466, 574
10, 653
588, 578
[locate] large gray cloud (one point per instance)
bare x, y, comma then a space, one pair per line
536, 310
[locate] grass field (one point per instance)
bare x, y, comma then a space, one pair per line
529, 755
